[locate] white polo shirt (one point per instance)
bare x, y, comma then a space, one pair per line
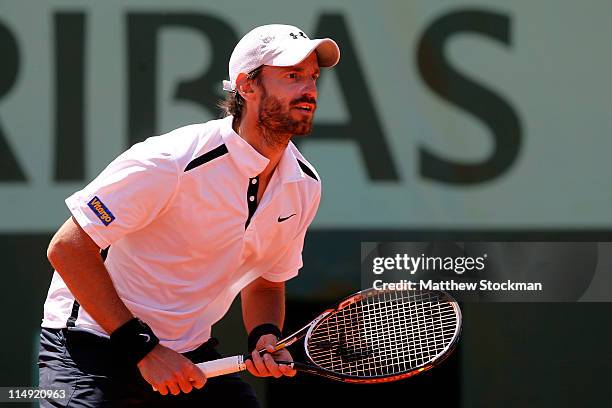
185, 235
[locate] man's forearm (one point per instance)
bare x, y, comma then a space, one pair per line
263, 302
77, 260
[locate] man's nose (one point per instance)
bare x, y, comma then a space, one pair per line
310, 89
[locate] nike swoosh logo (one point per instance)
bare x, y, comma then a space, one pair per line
147, 337
281, 219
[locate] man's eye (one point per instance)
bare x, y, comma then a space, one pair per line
292, 75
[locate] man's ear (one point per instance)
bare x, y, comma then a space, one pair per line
244, 86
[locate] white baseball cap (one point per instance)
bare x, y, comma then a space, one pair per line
277, 45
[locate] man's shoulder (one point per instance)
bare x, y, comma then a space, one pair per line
188, 142
307, 167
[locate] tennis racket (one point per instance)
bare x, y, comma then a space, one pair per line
370, 337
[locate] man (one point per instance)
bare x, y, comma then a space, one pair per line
185, 222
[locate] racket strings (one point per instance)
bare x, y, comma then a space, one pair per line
385, 333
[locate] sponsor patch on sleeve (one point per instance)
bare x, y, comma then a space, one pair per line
101, 211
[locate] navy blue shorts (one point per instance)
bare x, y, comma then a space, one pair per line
83, 364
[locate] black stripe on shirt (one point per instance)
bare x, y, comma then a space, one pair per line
206, 157
307, 169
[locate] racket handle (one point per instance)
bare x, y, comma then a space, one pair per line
227, 365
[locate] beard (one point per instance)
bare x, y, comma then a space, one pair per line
276, 122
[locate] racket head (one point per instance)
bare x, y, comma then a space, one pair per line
378, 336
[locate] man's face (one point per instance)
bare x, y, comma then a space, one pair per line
289, 97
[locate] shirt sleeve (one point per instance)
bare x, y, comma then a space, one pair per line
291, 262
133, 189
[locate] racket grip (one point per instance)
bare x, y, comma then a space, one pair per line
222, 366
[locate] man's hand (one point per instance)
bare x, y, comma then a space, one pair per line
266, 366
168, 371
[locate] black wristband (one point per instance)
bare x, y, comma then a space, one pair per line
262, 329
132, 341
